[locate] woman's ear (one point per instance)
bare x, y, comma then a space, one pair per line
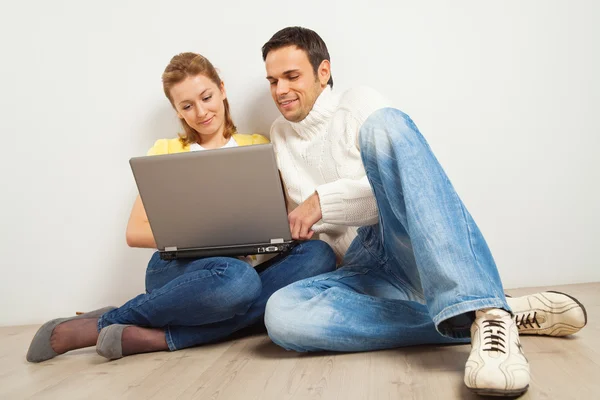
223, 91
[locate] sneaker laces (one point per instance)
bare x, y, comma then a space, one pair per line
527, 320
494, 341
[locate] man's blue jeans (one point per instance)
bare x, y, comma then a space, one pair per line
415, 278
204, 300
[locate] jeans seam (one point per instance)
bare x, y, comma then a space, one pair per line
100, 325
169, 339
478, 264
462, 210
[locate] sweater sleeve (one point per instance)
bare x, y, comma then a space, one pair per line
259, 139
348, 202
161, 146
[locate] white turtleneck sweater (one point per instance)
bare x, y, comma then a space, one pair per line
321, 153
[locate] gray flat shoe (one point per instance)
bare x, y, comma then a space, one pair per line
109, 342
40, 348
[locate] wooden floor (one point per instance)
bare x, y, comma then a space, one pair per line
252, 367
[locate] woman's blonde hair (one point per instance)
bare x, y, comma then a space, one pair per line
186, 65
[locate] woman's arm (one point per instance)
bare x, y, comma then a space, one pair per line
138, 232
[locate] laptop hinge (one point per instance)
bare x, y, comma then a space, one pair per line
274, 241
171, 248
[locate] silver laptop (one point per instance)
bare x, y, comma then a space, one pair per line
223, 202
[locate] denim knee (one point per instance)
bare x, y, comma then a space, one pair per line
243, 286
391, 124
277, 314
287, 327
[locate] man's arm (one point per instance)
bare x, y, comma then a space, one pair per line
348, 202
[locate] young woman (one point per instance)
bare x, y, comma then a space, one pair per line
187, 302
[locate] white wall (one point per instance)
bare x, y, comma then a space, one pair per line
504, 92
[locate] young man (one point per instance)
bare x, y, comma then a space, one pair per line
418, 269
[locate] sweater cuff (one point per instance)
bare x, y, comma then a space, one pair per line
332, 207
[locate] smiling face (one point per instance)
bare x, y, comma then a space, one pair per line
200, 103
294, 85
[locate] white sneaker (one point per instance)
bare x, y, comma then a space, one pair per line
496, 365
548, 313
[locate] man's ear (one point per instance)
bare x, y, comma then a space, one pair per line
324, 72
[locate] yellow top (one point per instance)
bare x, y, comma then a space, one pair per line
170, 146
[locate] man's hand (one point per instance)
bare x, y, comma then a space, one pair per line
304, 217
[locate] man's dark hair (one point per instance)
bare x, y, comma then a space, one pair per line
304, 39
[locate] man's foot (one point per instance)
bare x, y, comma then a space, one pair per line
496, 365
548, 313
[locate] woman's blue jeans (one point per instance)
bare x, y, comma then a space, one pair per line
203, 300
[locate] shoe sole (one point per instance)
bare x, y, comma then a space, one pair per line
499, 392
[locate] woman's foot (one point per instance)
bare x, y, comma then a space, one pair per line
116, 341
63, 334
74, 334
137, 340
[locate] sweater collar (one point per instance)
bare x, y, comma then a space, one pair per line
317, 119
